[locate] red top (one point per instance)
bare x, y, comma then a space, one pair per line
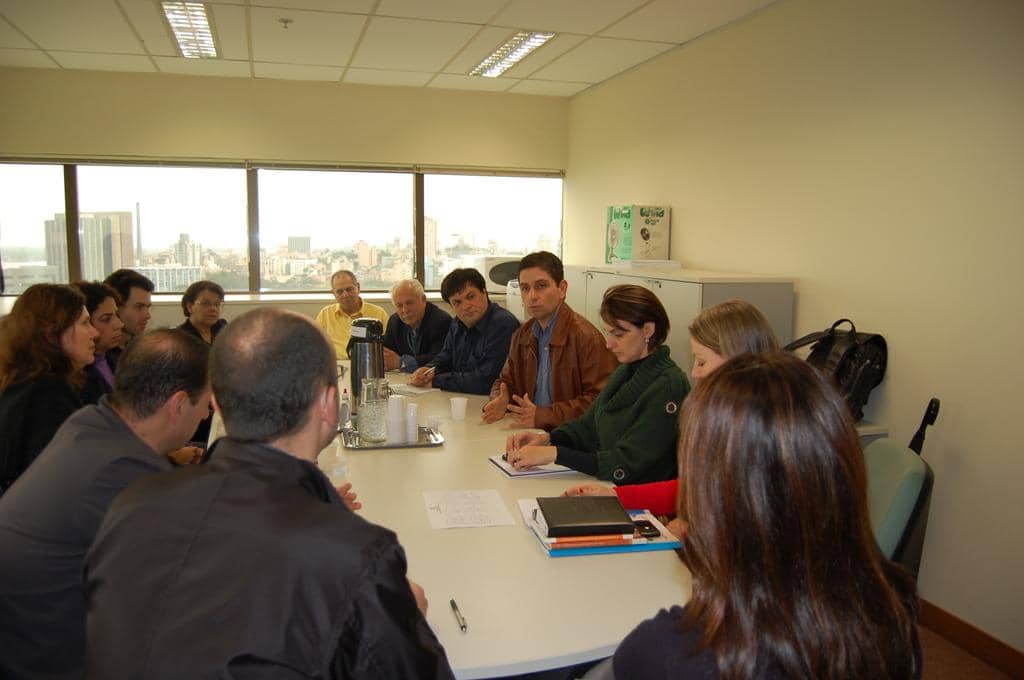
658, 497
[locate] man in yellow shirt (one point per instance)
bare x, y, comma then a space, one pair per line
336, 319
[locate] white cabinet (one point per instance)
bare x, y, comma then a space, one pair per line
686, 292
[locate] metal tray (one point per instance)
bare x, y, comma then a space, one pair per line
428, 437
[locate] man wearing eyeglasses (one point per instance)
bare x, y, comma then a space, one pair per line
336, 319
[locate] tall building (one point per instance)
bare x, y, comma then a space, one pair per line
187, 252
429, 237
107, 243
299, 244
57, 246
366, 254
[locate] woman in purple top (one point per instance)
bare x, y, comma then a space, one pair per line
101, 302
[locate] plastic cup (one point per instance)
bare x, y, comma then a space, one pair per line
459, 408
434, 423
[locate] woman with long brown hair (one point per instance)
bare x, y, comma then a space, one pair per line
45, 342
788, 581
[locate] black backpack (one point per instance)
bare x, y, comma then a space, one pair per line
855, 361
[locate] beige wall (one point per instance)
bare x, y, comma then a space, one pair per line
873, 150
68, 113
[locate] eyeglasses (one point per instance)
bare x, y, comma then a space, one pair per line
204, 303
351, 290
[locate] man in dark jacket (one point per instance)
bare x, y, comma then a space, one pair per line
416, 330
49, 518
252, 565
477, 342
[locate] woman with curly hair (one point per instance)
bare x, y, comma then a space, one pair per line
45, 342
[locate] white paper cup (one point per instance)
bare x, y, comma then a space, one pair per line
459, 408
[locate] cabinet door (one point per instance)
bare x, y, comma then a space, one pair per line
597, 284
682, 301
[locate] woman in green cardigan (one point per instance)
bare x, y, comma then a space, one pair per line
628, 435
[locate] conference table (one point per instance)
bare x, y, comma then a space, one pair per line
525, 611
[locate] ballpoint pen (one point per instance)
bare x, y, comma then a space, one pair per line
458, 615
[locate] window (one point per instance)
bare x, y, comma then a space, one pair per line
33, 235
467, 217
315, 222
175, 225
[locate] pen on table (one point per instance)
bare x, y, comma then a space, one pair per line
458, 615
515, 447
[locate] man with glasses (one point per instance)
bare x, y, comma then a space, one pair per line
336, 319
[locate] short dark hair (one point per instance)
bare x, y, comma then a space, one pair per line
155, 366
458, 279
95, 293
636, 305
196, 289
123, 280
266, 369
542, 259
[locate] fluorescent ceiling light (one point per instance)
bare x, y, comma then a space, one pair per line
506, 56
191, 29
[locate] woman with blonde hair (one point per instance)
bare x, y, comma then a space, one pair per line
45, 342
788, 581
717, 334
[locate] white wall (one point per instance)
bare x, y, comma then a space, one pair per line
69, 113
874, 150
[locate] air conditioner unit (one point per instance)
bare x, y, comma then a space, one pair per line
498, 270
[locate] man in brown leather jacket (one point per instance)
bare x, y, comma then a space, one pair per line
557, 363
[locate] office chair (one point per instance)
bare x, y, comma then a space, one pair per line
899, 496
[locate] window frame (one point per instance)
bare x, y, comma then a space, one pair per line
251, 168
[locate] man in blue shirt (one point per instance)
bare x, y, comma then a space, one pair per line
478, 338
416, 330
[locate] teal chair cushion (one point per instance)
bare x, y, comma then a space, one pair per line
896, 477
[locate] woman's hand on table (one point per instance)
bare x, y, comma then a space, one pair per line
531, 456
421, 597
348, 496
589, 490
524, 410
494, 410
678, 527
518, 440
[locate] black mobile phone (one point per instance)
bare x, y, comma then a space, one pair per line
646, 529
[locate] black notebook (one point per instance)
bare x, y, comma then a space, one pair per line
584, 516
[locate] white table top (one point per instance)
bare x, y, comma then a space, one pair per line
525, 611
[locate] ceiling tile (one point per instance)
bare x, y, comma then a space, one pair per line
569, 16
296, 72
149, 22
545, 54
232, 38
452, 81
311, 37
549, 87
11, 38
91, 61
357, 6
203, 67
600, 58
681, 20
75, 25
410, 44
482, 44
25, 58
372, 76
470, 11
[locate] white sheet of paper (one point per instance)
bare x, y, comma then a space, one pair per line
474, 508
549, 469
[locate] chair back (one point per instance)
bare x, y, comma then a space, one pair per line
899, 495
